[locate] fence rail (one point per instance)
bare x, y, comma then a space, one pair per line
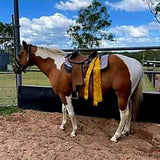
114, 49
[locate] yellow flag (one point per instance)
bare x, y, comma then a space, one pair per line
97, 88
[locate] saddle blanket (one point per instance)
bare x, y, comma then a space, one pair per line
103, 63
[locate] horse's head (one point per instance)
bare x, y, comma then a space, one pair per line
23, 59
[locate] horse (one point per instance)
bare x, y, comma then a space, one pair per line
123, 75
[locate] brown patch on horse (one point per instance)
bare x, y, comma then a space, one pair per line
121, 85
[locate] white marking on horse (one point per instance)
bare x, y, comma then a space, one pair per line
135, 68
55, 54
70, 109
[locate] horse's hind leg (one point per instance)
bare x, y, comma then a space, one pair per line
118, 133
124, 116
127, 127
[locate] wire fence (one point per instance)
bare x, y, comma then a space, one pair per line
8, 95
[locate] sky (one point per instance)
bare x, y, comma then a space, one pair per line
45, 22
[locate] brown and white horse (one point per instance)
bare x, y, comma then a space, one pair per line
123, 74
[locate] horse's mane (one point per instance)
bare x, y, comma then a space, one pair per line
55, 54
51, 51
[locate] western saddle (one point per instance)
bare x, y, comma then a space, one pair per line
80, 64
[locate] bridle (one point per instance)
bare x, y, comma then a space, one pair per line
19, 66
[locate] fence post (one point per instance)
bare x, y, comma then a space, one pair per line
16, 32
17, 39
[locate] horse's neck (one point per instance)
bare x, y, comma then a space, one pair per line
45, 65
48, 62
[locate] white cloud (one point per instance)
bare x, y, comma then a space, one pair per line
153, 26
47, 30
51, 31
73, 4
144, 35
129, 5
132, 42
130, 31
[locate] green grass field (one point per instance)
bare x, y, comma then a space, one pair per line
7, 90
35, 78
8, 110
147, 85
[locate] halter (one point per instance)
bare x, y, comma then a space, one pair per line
29, 63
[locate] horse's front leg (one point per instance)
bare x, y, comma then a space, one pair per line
64, 119
68, 107
71, 113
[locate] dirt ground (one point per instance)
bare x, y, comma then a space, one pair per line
34, 135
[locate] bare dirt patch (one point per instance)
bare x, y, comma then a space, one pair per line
33, 135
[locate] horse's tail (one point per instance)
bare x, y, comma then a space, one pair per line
136, 99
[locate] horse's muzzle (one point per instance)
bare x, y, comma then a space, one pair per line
18, 69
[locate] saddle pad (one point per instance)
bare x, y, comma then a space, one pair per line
103, 62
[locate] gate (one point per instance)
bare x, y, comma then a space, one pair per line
8, 85
7, 77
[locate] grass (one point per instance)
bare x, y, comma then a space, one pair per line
8, 110
8, 95
35, 78
147, 85
7, 90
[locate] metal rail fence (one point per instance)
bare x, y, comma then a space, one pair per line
33, 77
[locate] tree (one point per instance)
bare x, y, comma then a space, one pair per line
6, 41
5, 31
87, 31
154, 7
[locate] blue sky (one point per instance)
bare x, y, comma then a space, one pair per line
44, 22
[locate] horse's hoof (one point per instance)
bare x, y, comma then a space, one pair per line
72, 135
113, 139
62, 127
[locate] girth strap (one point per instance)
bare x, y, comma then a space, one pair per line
77, 78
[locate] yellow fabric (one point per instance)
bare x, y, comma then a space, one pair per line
97, 89
88, 74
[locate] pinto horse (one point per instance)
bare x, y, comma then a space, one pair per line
123, 74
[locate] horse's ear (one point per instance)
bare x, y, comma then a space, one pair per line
24, 44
